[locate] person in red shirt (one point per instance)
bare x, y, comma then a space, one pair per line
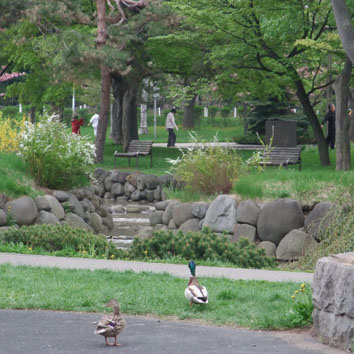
76, 123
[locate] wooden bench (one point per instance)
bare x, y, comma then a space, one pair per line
136, 149
282, 156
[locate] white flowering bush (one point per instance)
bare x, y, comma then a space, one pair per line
56, 158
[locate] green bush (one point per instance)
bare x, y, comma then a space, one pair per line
208, 170
59, 237
56, 158
10, 111
212, 111
204, 245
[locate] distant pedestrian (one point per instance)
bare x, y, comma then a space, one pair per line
94, 122
170, 125
330, 117
76, 123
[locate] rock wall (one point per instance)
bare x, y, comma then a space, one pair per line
279, 227
81, 208
333, 289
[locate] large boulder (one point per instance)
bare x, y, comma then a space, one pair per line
75, 220
182, 213
96, 222
108, 183
42, 204
128, 189
44, 217
278, 218
221, 215
135, 196
87, 205
55, 207
333, 300
191, 225
246, 231
156, 218
3, 218
294, 245
248, 212
61, 196
199, 209
23, 210
75, 205
168, 213
162, 205
117, 189
319, 219
269, 248
152, 181
141, 182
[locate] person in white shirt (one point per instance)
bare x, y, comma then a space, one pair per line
170, 125
94, 122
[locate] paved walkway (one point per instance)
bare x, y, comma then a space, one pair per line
224, 145
44, 332
179, 270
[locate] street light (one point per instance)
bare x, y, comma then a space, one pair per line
155, 95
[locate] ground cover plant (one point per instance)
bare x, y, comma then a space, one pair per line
202, 245
253, 304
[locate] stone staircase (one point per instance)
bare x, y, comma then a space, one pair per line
129, 219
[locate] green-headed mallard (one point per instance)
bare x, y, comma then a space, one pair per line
111, 325
195, 292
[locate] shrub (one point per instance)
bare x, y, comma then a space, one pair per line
59, 237
212, 111
56, 158
204, 245
208, 170
9, 131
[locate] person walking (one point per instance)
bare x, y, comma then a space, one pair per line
94, 122
330, 117
76, 123
170, 125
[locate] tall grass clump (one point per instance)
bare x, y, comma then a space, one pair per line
56, 158
208, 169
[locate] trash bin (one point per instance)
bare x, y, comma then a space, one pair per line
284, 133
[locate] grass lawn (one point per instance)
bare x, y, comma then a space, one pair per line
253, 304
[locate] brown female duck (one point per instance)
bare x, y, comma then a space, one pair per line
111, 325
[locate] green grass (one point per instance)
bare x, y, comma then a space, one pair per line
14, 178
253, 304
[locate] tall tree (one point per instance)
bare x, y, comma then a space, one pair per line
263, 36
341, 87
105, 81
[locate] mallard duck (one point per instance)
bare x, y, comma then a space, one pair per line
195, 292
111, 325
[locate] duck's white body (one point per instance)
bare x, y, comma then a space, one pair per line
195, 292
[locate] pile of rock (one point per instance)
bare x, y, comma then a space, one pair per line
81, 208
116, 184
280, 227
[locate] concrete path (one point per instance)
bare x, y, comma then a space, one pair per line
179, 270
52, 332
224, 145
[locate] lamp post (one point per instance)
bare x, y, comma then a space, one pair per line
155, 95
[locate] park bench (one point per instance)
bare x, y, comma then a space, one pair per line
136, 149
282, 156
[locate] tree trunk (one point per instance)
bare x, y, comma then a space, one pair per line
188, 118
118, 87
130, 121
143, 109
351, 117
344, 25
32, 114
105, 81
312, 117
245, 119
341, 88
